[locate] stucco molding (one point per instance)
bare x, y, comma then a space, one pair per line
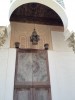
3, 35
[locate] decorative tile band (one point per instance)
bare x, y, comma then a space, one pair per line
61, 2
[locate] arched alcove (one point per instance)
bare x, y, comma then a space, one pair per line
45, 18
36, 13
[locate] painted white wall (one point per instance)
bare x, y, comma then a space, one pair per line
7, 68
58, 42
3, 71
62, 74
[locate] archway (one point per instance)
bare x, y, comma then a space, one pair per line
51, 4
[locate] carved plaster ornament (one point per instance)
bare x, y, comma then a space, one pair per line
71, 41
3, 35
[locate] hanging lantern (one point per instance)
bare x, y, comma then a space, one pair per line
34, 38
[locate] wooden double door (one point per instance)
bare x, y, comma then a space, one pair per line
32, 80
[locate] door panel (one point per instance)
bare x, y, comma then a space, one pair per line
39, 67
24, 70
32, 76
42, 94
22, 94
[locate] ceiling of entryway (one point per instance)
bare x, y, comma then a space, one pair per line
36, 13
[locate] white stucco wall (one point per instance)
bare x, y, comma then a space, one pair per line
3, 72
7, 68
62, 74
59, 43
